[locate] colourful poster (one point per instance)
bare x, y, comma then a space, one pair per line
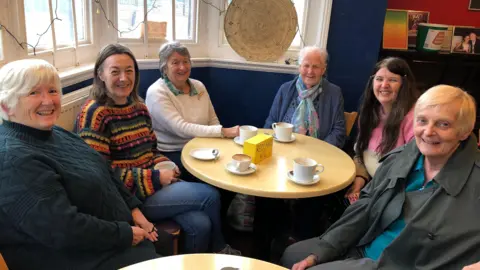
395, 29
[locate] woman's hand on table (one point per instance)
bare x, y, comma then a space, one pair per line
231, 132
168, 177
353, 193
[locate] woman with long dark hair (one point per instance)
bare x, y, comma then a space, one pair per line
385, 118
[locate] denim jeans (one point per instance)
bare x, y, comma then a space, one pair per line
226, 196
195, 207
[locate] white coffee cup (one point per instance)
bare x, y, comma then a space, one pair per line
283, 131
247, 132
304, 169
165, 165
241, 162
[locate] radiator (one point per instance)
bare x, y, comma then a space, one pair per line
71, 106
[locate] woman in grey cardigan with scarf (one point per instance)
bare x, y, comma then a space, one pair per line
315, 107
310, 102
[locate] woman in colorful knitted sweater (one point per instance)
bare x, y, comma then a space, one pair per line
385, 118
118, 125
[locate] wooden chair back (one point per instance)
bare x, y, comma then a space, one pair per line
3, 264
350, 118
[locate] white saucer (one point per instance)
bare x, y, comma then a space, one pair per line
316, 178
229, 167
292, 138
237, 140
204, 153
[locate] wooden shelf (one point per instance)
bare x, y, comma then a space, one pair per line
430, 69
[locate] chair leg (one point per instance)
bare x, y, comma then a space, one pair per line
175, 246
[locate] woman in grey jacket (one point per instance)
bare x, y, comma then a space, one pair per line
420, 211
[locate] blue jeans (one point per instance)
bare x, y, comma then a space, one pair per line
195, 207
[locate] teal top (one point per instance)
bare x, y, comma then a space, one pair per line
415, 181
176, 92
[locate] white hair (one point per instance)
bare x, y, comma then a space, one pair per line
312, 49
446, 95
17, 79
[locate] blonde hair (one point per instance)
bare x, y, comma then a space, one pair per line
442, 95
17, 79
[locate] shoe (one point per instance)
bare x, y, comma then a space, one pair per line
229, 250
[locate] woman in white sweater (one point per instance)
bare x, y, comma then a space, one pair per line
180, 107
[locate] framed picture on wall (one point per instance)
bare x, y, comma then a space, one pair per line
474, 5
415, 18
466, 40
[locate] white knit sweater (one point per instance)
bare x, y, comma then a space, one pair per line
178, 119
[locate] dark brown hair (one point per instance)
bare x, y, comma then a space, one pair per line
369, 109
99, 91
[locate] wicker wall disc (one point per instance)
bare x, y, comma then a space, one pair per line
260, 30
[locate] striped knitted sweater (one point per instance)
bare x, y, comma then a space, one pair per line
123, 135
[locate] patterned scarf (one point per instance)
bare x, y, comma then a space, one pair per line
305, 117
177, 92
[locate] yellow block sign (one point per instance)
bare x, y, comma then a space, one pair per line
258, 147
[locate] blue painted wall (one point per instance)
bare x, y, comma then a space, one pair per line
74, 87
354, 42
244, 97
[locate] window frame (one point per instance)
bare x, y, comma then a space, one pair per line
2, 47
207, 32
146, 40
63, 57
87, 25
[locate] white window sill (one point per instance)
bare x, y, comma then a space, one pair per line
76, 75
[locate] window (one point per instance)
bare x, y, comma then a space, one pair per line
82, 18
301, 8
39, 15
167, 19
1, 45
301, 11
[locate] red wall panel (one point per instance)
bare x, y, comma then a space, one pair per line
451, 12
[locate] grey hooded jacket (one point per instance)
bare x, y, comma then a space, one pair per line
443, 234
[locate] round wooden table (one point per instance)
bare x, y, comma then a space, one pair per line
204, 261
270, 180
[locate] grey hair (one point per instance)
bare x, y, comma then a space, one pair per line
166, 50
309, 49
17, 79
